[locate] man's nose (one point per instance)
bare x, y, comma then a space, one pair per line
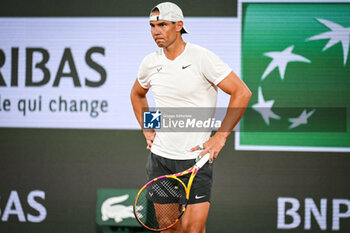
156, 30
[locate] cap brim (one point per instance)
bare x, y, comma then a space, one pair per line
184, 30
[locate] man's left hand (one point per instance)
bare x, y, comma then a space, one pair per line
212, 146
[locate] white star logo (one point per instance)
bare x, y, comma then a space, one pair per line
337, 34
281, 59
302, 119
264, 108
156, 115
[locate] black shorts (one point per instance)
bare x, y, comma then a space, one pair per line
201, 187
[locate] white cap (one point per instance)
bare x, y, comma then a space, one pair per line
168, 11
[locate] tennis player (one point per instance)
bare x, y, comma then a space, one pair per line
186, 75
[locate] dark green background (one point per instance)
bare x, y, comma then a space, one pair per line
71, 165
104, 8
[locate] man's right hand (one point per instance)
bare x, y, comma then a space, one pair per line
149, 135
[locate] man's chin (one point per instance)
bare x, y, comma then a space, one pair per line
160, 44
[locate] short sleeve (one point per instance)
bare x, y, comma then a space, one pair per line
143, 74
213, 68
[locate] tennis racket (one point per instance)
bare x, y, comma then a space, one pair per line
161, 202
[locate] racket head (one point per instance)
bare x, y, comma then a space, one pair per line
160, 203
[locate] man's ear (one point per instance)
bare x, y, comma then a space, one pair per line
179, 26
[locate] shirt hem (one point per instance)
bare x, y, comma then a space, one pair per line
142, 85
222, 77
172, 156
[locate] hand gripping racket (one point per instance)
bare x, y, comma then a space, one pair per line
161, 202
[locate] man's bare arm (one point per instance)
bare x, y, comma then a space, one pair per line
140, 104
240, 95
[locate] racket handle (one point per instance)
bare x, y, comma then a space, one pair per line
202, 161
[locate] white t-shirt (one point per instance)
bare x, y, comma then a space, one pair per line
189, 81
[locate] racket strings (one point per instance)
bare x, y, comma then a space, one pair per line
160, 204
172, 188
159, 191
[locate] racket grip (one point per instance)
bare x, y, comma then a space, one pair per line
202, 161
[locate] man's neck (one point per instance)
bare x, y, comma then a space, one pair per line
175, 49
